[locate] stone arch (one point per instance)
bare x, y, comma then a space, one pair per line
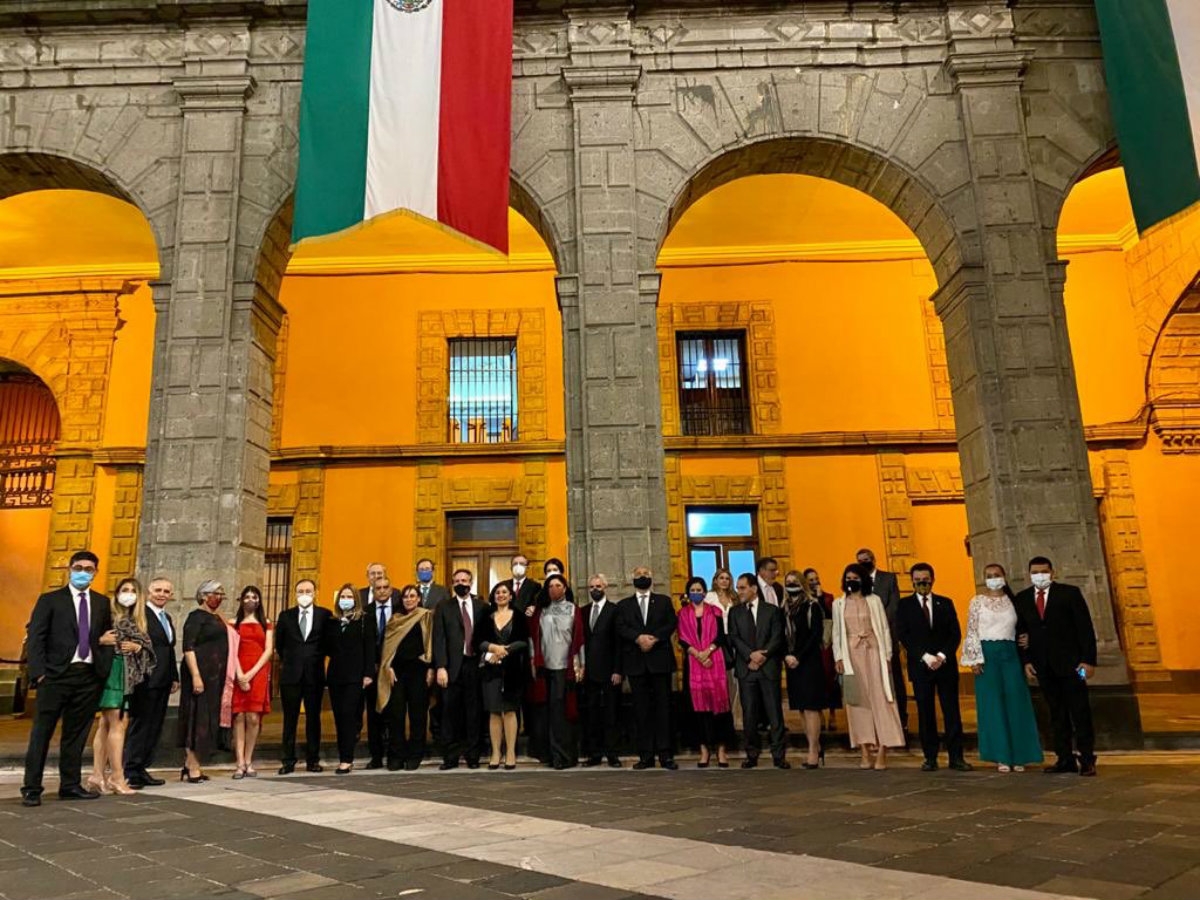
523, 200
886, 180
1173, 375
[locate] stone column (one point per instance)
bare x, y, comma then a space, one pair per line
1020, 434
617, 509
207, 456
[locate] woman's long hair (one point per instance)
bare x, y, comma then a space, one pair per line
732, 596
355, 613
260, 614
137, 612
1008, 591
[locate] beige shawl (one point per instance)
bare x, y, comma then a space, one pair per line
398, 627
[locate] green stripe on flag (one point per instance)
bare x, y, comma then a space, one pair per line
334, 107
1149, 108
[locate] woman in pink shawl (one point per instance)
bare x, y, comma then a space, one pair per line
702, 639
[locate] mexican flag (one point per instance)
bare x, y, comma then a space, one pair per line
406, 105
1152, 62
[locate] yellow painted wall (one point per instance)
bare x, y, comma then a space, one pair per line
127, 411
24, 534
834, 510
367, 516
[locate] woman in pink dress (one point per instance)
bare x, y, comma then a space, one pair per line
252, 692
702, 639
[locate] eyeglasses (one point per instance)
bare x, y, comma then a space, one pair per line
82, 567
922, 583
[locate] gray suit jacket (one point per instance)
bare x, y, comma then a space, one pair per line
437, 593
887, 589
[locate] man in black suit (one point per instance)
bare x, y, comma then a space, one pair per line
887, 588
600, 689
300, 642
645, 623
381, 609
375, 571
456, 622
523, 589
69, 643
756, 633
1057, 641
432, 593
927, 626
148, 706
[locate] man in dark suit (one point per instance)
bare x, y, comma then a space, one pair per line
366, 594
600, 689
432, 593
887, 588
1057, 641
768, 580
523, 589
927, 626
69, 643
645, 623
300, 642
456, 622
148, 706
378, 613
756, 633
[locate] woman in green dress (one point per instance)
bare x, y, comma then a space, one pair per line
131, 664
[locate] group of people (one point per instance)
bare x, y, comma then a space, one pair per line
428, 656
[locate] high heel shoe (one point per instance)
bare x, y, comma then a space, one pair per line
100, 786
122, 788
185, 775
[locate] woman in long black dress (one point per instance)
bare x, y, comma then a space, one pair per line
804, 623
202, 680
504, 648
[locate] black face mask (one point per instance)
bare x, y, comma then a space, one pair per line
643, 582
596, 594
793, 590
852, 585
462, 590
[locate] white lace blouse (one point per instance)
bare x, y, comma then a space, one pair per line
988, 619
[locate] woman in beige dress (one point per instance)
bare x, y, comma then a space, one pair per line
724, 597
862, 648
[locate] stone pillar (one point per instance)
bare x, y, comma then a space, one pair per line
1025, 467
207, 456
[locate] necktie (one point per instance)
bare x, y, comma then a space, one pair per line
928, 610
595, 616
467, 629
166, 625
424, 592
85, 626
382, 622
754, 611
304, 623
644, 603
1041, 604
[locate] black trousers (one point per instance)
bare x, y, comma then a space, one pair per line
72, 697
462, 715
899, 686
148, 710
377, 734
560, 734
346, 701
409, 700
600, 704
1070, 716
931, 689
652, 713
292, 695
761, 699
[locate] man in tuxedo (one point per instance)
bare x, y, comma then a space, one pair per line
432, 593
69, 645
756, 633
148, 706
768, 577
375, 571
456, 621
600, 689
887, 588
1057, 641
300, 642
927, 626
378, 613
523, 589
645, 623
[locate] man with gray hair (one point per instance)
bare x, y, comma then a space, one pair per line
600, 688
148, 705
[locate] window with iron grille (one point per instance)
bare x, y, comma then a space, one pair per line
29, 428
713, 398
483, 390
277, 567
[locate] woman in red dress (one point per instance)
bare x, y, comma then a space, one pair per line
252, 694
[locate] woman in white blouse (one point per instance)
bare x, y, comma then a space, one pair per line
1008, 734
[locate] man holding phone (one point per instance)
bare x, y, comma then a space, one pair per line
1057, 642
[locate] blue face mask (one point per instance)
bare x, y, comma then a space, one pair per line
425, 576
345, 604
80, 580
696, 596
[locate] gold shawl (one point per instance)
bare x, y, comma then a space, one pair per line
398, 627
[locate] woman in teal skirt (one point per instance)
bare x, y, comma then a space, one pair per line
1008, 734
131, 664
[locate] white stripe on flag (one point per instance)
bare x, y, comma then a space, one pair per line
1185, 27
406, 88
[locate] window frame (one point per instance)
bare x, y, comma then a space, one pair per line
722, 418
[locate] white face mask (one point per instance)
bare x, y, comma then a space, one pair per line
518, 571
994, 584
345, 604
1041, 580
305, 600
127, 598
553, 572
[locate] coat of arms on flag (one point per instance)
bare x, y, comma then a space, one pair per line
410, 6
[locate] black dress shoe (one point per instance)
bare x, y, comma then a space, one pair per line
448, 765
394, 766
614, 763
961, 765
643, 764
31, 799
669, 764
589, 763
286, 769
314, 767
750, 762
472, 764
1062, 767
1087, 769
77, 793
412, 765
374, 764
930, 765
340, 771
149, 780
782, 764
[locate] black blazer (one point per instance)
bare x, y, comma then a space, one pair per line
601, 645
351, 649
913, 631
437, 593
887, 589
768, 637
52, 635
448, 633
526, 596
1067, 638
302, 662
514, 668
660, 622
166, 669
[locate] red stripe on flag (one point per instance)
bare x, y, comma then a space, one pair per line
475, 131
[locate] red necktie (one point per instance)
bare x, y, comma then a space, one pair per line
1041, 604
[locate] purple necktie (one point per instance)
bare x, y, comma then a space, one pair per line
85, 627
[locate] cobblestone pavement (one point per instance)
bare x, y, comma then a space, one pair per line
602, 835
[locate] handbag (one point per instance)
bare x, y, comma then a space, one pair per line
851, 690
